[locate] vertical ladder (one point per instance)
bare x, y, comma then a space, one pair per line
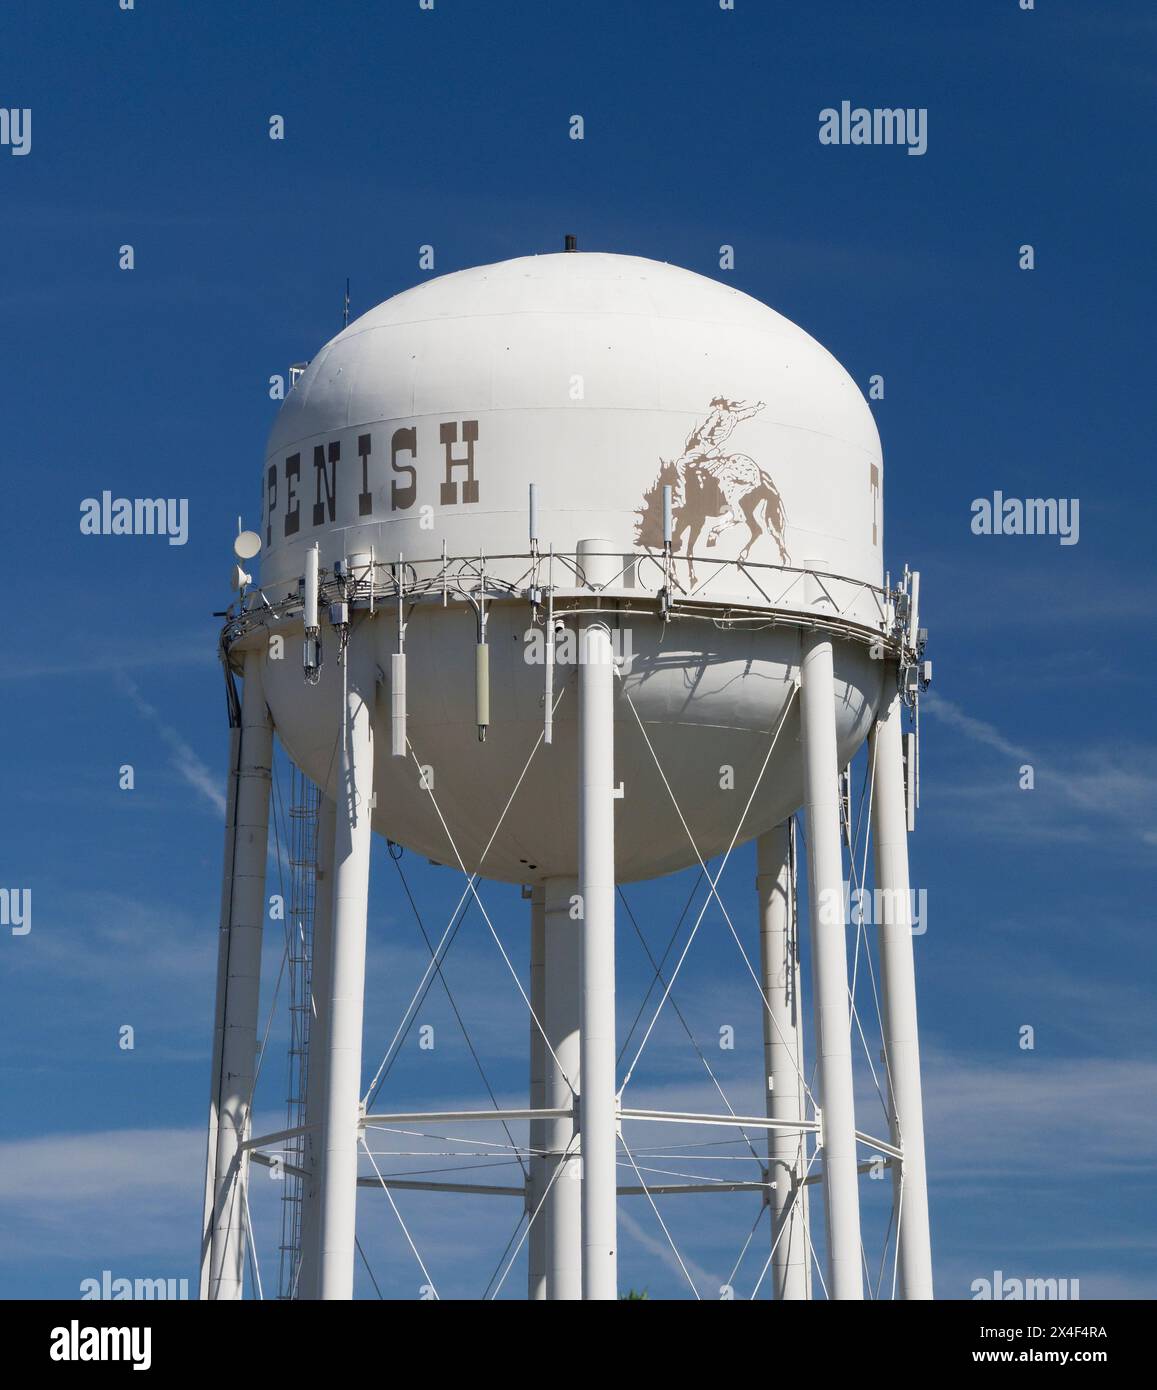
303, 809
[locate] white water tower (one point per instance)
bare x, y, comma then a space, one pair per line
584, 555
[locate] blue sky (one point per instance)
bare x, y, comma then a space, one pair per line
449, 128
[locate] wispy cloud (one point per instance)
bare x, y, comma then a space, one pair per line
990, 1117
106, 1164
706, 1284
183, 758
948, 712
178, 654
1106, 787
127, 1194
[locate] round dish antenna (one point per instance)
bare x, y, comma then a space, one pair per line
247, 545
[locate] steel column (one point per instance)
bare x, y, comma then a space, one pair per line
320, 978
351, 859
598, 1120
536, 1285
243, 917
898, 988
562, 969
830, 966
783, 1062
207, 1222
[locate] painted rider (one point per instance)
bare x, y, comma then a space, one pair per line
706, 440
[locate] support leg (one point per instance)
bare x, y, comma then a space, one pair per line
243, 916
562, 967
340, 1130
207, 1218
830, 967
536, 1240
898, 986
320, 979
783, 1063
598, 1119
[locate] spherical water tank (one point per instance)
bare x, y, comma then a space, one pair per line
415, 434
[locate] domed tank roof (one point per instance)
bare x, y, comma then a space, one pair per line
600, 379
597, 377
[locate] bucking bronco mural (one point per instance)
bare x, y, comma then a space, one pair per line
712, 490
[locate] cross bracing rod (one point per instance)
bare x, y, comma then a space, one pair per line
492, 1190
675, 1189
442, 1117
815, 1178
407, 1184
741, 1121
666, 1116
890, 1149
278, 1136
560, 1113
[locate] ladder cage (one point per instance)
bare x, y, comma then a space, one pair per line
302, 829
